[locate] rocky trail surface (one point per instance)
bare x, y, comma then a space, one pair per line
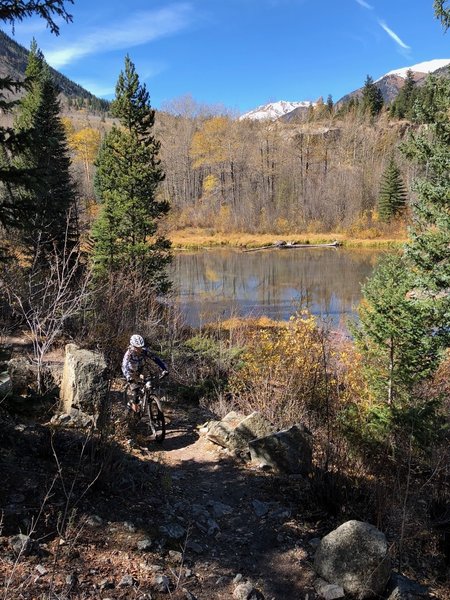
105, 519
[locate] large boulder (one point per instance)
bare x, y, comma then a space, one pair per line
84, 385
23, 375
355, 556
235, 431
287, 451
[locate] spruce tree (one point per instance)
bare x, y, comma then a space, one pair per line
126, 182
403, 105
392, 196
427, 250
372, 99
10, 142
47, 198
394, 334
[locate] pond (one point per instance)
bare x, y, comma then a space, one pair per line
212, 285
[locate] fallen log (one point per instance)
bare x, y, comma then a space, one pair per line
289, 245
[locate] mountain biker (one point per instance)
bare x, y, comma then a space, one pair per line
133, 363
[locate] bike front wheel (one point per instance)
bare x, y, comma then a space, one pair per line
157, 422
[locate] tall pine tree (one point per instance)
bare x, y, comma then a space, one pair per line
127, 179
48, 196
392, 196
11, 143
372, 99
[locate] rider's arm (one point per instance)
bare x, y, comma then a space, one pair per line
157, 360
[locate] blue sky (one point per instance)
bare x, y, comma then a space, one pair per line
240, 53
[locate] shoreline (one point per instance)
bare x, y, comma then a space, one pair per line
198, 239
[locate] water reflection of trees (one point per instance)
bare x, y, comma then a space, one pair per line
272, 282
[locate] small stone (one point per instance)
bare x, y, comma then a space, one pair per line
260, 508
162, 583
106, 584
21, 544
314, 543
195, 547
41, 570
328, 591
129, 526
94, 521
127, 581
173, 531
145, 544
238, 578
219, 509
176, 556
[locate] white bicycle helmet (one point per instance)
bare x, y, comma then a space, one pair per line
137, 341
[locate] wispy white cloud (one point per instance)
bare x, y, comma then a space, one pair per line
365, 4
394, 36
97, 88
138, 29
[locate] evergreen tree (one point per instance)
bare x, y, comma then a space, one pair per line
127, 178
12, 11
392, 196
330, 103
372, 99
47, 199
427, 250
394, 334
403, 105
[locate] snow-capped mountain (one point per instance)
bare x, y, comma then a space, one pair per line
275, 110
391, 83
428, 66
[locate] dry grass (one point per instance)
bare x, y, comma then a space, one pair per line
193, 238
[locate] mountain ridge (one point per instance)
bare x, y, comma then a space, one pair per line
389, 84
14, 58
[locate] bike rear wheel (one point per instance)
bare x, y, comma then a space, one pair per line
155, 415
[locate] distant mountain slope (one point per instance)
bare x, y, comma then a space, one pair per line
392, 82
13, 62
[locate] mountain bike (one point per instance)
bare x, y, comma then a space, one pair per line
149, 406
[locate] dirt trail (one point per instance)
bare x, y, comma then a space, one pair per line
254, 529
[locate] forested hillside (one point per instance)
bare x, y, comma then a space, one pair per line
13, 62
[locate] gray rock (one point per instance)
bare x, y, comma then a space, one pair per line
260, 508
145, 544
5, 384
355, 556
173, 531
161, 583
195, 547
287, 451
314, 543
219, 509
94, 521
402, 588
246, 591
22, 375
106, 584
84, 383
22, 544
235, 431
329, 591
127, 581
131, 527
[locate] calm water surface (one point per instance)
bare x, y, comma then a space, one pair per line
215, 284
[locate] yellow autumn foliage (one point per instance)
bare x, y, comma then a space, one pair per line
283, 373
